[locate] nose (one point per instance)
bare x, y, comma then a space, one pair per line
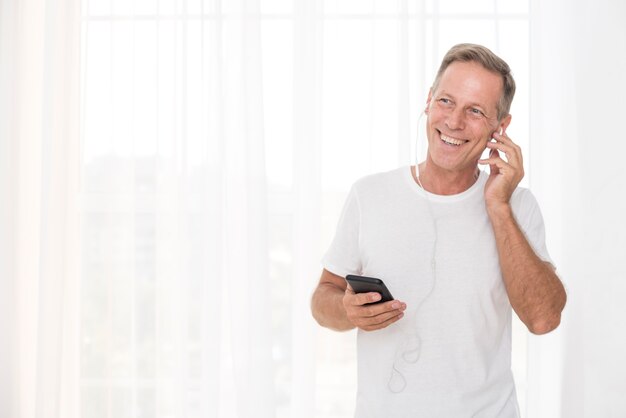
456, 118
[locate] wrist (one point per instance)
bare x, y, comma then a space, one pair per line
499, 210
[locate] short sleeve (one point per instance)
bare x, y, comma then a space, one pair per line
530, 220
343, 256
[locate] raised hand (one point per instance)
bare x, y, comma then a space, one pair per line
505, 175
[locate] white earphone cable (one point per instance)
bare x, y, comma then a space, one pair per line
409, 350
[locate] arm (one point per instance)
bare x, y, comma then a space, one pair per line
335, 305
535, 291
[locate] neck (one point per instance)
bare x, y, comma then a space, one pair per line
442, 182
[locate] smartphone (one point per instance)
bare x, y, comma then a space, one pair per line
362, 284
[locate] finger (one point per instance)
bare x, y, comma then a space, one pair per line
373, 315
361, 299
495, 160
507, 149
383, 324
492, 160
384, 317
512, 155
508, 152
504, 139
378, 319
493, 153
373, 310
501, 165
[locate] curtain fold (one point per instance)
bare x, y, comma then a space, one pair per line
175, 202
307, 93
8, 327
39, 61
245, 218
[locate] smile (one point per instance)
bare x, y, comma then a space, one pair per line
452, 141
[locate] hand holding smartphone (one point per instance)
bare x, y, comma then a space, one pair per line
371, 316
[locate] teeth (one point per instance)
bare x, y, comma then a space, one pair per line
451, 141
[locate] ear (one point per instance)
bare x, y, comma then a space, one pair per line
430, 96
504, 123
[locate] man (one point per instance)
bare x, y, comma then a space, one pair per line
456, 246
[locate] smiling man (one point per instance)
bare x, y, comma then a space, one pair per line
459, 248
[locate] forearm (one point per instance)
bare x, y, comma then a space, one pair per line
535, 291
327, 308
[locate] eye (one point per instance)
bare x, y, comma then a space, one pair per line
476, 112
445, 101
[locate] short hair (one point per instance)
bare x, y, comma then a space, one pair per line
491, 62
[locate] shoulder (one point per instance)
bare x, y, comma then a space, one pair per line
380, 182
523, 199
525, 208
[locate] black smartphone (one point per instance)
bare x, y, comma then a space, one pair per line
362, 284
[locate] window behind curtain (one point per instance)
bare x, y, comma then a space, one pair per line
139, 59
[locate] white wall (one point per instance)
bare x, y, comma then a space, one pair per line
577, 154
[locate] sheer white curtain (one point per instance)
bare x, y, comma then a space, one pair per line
577, 153
39, 213
161, 262
176, 318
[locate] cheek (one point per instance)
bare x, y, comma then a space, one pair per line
489, 129
482, 132
481, 137
434, 123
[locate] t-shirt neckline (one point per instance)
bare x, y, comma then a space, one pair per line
478, 185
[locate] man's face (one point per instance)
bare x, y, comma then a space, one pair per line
462, 116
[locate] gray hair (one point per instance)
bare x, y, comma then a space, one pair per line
491, 62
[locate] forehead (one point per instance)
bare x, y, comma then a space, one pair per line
471, 82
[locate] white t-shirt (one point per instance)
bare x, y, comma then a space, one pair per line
450, 356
